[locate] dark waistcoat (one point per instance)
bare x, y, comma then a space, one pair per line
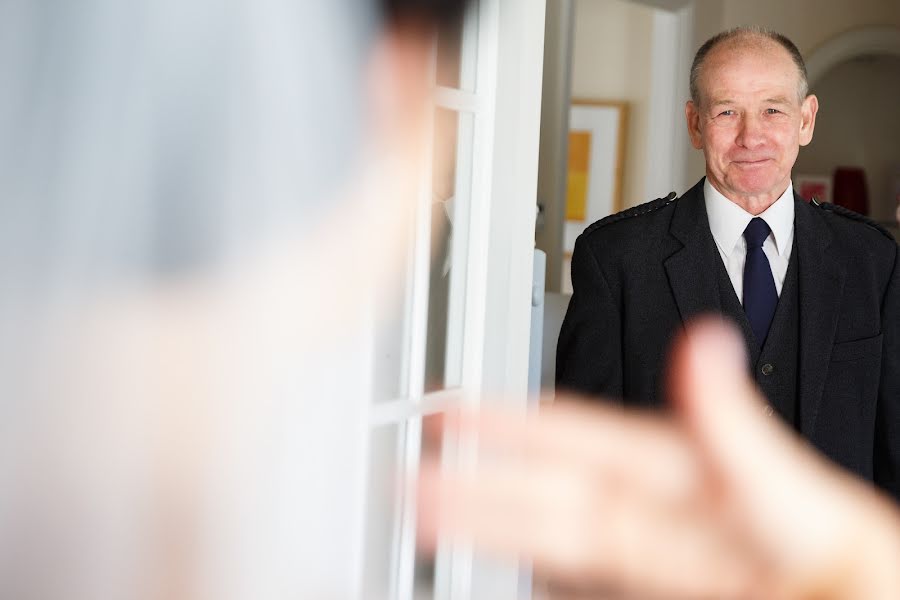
774, 365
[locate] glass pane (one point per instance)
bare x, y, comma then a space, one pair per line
456, 48
449, 242
432, 571
382, 513
392, 337
449, 54
443, 200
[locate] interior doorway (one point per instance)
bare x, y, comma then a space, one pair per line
633, 54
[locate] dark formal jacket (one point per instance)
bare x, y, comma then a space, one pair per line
831, 363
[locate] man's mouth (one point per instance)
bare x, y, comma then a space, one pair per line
751, 162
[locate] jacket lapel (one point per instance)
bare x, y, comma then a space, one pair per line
691, 268
821, 287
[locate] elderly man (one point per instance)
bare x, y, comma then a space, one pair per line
814, 288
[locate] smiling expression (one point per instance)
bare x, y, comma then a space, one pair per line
750, 121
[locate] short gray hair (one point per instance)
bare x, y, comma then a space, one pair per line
747, 32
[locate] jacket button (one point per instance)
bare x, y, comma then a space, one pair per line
768, 410
767, 369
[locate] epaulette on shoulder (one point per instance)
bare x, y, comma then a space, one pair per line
641, 209
853, 216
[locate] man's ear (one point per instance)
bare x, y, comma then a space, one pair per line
692, 116
808, 111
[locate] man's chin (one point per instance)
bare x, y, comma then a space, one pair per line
751, 187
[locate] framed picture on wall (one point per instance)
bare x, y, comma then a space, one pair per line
597, 138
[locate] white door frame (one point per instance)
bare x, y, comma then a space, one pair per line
671, 56
507, 246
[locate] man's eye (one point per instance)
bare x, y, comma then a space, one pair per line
772, 111
726, 113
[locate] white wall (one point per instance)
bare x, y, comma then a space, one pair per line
611, 60
809, 23
859, 125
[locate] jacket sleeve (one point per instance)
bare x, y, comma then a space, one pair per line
589, 351
887, 426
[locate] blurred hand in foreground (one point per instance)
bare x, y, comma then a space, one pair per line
719, 501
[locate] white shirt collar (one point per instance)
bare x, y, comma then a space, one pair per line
727, 220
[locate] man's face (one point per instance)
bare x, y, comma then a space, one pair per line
750, 122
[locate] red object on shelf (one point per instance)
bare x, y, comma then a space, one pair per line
850, 190
814, 187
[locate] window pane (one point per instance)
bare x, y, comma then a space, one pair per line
449, 248
449, 50
432, 571
392, 335
456, 47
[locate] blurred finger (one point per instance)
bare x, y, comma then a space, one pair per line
615, 444
574, 527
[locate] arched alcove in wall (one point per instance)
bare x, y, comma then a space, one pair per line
864, 41
856, 76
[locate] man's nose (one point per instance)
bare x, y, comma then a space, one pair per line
752, 132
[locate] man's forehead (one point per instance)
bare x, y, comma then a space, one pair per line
771, 66
751, 49
723, 97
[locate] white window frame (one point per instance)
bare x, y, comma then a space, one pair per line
494, 239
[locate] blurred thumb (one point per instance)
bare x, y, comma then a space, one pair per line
723, 411
808, 521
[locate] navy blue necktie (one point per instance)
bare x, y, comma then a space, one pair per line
760, 297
